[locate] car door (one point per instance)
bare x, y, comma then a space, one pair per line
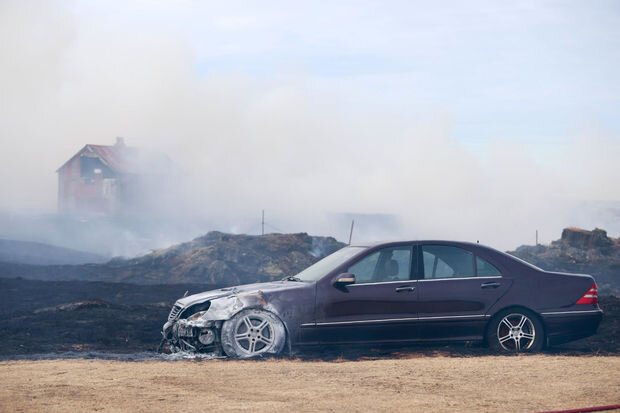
379, 306
455, 291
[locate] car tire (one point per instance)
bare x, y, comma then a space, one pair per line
516, 331
253, 333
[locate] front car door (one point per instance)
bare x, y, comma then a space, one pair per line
455, 291
380, 306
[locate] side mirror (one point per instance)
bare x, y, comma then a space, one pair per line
344, 279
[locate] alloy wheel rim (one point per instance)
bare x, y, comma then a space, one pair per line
516, 332
254, 334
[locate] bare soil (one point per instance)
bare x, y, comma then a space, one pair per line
411, 382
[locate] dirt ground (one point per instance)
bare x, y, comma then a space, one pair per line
411, 383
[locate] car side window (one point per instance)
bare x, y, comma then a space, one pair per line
444, 261
486, 269
388, 264
365, 268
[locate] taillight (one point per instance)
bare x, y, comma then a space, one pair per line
591, 297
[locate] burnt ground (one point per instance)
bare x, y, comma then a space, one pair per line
60, 316
39, 317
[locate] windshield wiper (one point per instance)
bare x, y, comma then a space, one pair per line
292, 278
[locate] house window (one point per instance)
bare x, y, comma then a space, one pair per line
92, 167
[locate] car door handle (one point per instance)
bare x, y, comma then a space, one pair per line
490, 285
404, 289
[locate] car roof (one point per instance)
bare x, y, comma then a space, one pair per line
429, 241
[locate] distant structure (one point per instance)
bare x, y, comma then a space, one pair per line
110, 180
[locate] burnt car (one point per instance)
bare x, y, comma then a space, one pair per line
409, 291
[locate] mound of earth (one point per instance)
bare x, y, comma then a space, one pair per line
579, 251
215, 258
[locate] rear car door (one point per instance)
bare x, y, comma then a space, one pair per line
380, 306
455, 290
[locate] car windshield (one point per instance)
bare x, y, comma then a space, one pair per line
327, 264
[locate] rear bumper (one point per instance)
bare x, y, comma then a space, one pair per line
563, 326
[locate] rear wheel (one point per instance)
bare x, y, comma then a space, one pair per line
253, 333
514, 331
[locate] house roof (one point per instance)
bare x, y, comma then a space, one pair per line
127, 160
119, 158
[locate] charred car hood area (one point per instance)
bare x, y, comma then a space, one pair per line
267, 287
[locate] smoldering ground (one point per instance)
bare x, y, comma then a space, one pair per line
119, 321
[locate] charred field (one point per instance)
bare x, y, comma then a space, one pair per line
56, 317
62, 316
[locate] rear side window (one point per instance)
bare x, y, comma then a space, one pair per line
486, 269
443, 261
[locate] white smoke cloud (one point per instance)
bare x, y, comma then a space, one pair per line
290, 144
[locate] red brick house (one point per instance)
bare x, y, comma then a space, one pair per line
108, 180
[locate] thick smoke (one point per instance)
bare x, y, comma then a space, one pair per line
279, 142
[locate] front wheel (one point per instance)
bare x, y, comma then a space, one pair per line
514, 331
252, 333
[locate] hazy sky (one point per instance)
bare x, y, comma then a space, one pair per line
478, 119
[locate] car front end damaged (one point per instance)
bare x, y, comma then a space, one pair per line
195, 323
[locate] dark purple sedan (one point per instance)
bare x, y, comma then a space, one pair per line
409, 291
